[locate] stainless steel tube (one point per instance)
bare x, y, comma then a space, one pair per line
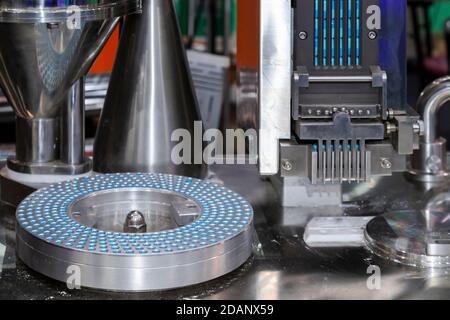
72, 126
429, 163
36, 140
430, 102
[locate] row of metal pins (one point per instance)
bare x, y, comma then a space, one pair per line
335, 165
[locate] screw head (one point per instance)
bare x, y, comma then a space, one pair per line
287, 165
373, 35
303, 35
386, 164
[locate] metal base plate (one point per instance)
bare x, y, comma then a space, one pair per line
415, 238
16, 186
50, 168
426, 177
74, 227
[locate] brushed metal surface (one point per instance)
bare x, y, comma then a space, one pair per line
151, 95
274, 82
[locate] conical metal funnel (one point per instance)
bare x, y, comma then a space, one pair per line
46, 47
150, 95
40, 62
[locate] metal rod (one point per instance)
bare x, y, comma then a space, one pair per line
36, 140
72, 126
334, 79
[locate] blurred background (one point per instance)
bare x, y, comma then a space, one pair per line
222, 41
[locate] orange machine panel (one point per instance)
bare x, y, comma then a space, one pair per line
105, 61
248, 34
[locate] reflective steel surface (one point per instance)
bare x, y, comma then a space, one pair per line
404, 237
275, 78
74, 226
38, 11
40, 62
429, 162
46, 47
151, 95
281, 267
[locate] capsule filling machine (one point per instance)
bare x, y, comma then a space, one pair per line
332, 113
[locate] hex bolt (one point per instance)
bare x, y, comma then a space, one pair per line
385, 163
286, 165
303, 35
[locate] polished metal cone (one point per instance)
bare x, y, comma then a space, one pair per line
46, 47
40, 62
150, 95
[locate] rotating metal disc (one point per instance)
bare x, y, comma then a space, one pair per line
134, 232
414, 238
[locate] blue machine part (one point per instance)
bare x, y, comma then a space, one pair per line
54, 233
330, 19
225, 214
316, 32
349, 32
340, 38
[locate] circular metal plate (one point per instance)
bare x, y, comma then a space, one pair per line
41, 11
414, 238
203, 231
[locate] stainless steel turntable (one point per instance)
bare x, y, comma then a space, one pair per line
135, 232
